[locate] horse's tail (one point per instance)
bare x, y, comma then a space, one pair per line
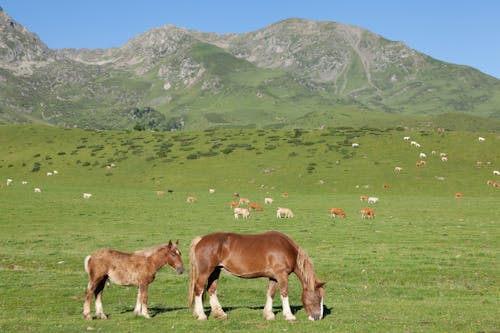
193, 269
86, 263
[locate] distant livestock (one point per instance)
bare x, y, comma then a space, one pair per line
38, 190
268, 201
372, 200
9, 182
481, 139
363, 198
211, 191
459, 195
496, 173
87, 195
255, 206
398, 169
355, 145
420, 163
245, 201
284, 212
334, 212
191, 199
422, 155
367, 213
406, 138
233, 204
245, 213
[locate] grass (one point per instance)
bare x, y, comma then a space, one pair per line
427, 263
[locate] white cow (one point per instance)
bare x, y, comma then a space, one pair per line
268, 201
87, 195
241, 211
406, 138
398, 169
9, 182
355, 145
422, 155
38, 190
496, 173
481, 139
211, 191
284, 212
372, 200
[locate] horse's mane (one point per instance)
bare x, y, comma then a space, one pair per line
306, 268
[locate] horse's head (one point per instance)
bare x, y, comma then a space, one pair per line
174, 258
313, 301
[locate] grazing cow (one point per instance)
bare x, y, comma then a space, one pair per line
422, 155
386, 186
481, 139
38, 190
496, 173
160, 193
138, 268
49, 173
363, 198
255, 206
414, 143
233, 204
245, 201
398, 169
9, 182
211, 191
406, 138
459, 195
284, 195
24, 182
170, 191
268, 201
337, 212
372, 200
284, 212
191, 199
241, 211
420, 164
444, 158
367, 212
87, 195
355, 145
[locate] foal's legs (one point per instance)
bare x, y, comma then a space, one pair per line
94, 287
99, 311
268, 308
141, 306
215, 305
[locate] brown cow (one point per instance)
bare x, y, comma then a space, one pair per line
337, 211
367, 212
255, 206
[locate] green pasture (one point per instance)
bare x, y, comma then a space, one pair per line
427, 263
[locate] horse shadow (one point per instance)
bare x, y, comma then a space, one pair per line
155, 310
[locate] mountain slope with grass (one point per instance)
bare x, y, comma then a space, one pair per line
288, 74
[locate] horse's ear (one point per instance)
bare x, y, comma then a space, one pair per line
320, 284
177, 243
170, 244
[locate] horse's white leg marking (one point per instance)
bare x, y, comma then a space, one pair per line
217, 307
86, 304
99, 311
198, 308
268, 308
287, 312
144, 301
138, 306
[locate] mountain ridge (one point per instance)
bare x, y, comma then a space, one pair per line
277, 75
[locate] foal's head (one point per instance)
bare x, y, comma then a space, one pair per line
173, 257
313, 301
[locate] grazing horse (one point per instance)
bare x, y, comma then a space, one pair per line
138, 268
272, 255
367, 212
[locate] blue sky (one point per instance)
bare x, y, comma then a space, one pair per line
457, 31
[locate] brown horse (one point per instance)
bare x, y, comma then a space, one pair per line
271, 254
138, 268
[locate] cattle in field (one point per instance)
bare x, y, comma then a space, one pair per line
481, 139
284, 212
49, 174
367, 213
398, 169
245, 213
233, 204
24, 182
386, 186
459, 195
372, 200
211, 191
268, 201
37, 190
406, 138
420, 164
334, 212
255, 206
191, 199
87, 195
160, 193
284, 195
444, 159
355, 145
363, 198
245, 201
496, 173
422, 155
9, 182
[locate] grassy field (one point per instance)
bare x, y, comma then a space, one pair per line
427, 263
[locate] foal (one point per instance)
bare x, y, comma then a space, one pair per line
137, 268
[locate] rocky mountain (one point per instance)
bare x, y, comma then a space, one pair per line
292, 73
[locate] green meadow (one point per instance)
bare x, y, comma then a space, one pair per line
428, 262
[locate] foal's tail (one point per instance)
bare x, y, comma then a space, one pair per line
86, 263
193, 269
